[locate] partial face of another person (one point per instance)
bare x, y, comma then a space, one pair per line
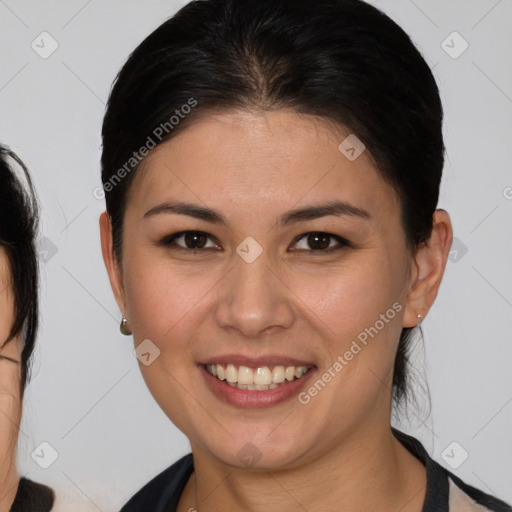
12, 348
10, 392
280, 290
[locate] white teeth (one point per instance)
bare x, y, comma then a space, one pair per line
290, 373
300, 371
262, 378
231, 373
278, 374
245, 375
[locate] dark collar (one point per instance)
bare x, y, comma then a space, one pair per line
436, 499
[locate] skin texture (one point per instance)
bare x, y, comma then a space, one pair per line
10, 397
253, 167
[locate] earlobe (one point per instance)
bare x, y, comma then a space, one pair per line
110, 260
429, 265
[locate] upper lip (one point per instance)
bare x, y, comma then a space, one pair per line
256, 362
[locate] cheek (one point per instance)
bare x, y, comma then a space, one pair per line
164, 305
358, 311
358, 314
164, 301
6, 312
346, 301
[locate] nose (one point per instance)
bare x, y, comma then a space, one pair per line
255, 300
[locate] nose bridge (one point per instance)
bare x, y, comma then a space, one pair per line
254, 299
251, 278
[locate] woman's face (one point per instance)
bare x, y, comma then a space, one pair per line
261, 290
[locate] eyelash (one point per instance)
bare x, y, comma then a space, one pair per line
169, 241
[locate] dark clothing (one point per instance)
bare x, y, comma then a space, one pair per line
32, 497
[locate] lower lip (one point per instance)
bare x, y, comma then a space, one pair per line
253, 399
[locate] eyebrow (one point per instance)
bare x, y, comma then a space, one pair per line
335, 208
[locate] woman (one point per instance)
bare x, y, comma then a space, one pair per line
272, 172
18, 329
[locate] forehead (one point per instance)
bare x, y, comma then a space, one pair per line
258, 159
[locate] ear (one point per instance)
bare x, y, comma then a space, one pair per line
112, 265
428, 269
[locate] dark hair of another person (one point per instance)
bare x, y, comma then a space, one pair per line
341, 59
19, 216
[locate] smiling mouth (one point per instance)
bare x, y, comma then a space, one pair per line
262, 378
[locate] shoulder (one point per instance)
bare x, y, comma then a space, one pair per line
446, 491
164, 490
464, 497
33, 497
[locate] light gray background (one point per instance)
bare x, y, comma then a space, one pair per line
87, 398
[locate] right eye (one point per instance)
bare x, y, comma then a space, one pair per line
193, 241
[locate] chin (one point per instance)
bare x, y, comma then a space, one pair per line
257, 449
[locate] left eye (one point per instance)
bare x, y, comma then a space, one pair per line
321, 242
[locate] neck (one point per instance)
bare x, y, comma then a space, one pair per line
8, 490
369, 471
